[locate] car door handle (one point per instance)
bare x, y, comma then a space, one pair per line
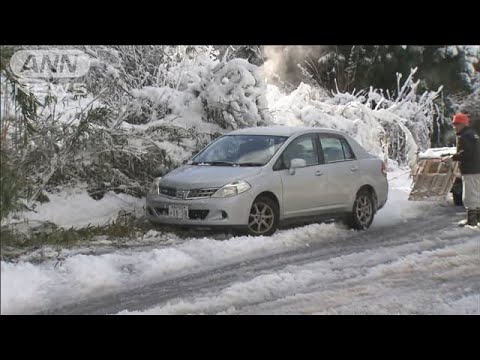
318, 173
354, 168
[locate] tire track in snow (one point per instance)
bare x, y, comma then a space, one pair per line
415, 283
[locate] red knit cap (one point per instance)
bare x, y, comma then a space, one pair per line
461, 118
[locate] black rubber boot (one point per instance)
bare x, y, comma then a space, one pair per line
470, 220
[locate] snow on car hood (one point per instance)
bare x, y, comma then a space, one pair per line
206, 176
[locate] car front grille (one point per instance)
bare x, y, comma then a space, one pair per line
200, 193
186, 194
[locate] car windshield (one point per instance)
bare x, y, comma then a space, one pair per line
240, 150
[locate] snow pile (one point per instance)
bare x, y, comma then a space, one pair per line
75, 208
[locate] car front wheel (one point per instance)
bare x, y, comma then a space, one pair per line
263, 217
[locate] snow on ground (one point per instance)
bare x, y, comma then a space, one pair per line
373, 281
398, 207
75, 208
27, 287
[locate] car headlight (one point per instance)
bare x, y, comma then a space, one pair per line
232, 189
154, 187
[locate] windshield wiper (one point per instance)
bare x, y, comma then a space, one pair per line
219, 163
250, 164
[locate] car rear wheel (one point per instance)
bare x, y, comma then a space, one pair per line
363, 211
263, 217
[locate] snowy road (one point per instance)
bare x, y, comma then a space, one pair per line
413, 260
424, 266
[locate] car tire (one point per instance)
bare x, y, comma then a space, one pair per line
263, 218
363, 211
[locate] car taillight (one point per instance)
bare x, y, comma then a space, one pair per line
384, 169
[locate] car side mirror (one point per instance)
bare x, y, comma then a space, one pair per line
296, 163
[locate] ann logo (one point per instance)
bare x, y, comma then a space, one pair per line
49, 66
50, 63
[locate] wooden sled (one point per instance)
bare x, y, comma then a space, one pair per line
433, 179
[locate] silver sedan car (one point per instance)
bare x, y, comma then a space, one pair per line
255, 179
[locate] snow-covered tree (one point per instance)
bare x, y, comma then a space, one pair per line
147, 109
235, 95
395, 127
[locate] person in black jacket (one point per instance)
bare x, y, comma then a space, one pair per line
468, 154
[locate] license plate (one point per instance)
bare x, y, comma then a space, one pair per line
178, 212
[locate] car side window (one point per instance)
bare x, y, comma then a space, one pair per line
336, 149
347, 150
302, 147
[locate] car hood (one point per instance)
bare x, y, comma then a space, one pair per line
206, 176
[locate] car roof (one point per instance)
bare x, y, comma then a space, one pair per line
281, 130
